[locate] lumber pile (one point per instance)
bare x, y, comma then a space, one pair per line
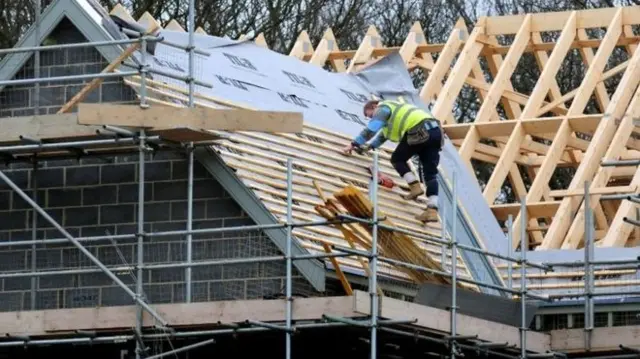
391, 244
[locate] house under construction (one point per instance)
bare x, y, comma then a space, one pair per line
167, 193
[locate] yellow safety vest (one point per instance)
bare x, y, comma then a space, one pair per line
403, 117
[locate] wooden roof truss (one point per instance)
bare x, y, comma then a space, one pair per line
544, 115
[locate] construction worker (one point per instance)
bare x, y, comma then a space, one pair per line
417, 132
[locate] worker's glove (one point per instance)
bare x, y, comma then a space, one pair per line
362, 149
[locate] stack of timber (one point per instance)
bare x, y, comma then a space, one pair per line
394, 245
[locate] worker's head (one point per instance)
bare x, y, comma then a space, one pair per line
370, 108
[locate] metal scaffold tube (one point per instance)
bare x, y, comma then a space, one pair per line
510, 251
212, 262
101, 75
188, 270
289, 263
181, 350
63, 145
179, 232
140, 244
34, 49
373, 279
524, 239
620, 163
34, 234
588, 242
454, 266
190, 48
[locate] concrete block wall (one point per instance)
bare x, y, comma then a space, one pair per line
20, 100
92, 197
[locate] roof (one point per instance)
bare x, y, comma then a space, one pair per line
249, 76
256, 159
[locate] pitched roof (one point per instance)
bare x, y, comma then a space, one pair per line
259, 159
247, 149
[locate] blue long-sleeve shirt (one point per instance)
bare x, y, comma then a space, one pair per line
377, 122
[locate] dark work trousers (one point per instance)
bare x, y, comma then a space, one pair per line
429, 155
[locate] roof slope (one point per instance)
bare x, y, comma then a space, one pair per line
331, 104
528, 29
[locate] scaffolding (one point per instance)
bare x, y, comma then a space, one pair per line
138, 141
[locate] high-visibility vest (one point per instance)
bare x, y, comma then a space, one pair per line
403, 117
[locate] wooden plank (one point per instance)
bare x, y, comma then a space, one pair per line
602, 339
542, 57
161, 117
552, 21
535, 209
45, 127
494, 62
604, 190
494, 96
602, 177
488, 50
439, 320
536, 126
47, 322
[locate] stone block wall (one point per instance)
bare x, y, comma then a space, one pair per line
93, 197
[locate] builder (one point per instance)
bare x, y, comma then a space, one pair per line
417, 132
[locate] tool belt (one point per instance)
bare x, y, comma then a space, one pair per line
419, 134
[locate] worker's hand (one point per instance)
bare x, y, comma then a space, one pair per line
362, 149
347, 150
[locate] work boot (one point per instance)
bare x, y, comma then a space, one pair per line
428, 215
415, 190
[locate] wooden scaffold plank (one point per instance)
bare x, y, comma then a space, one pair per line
199, 118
